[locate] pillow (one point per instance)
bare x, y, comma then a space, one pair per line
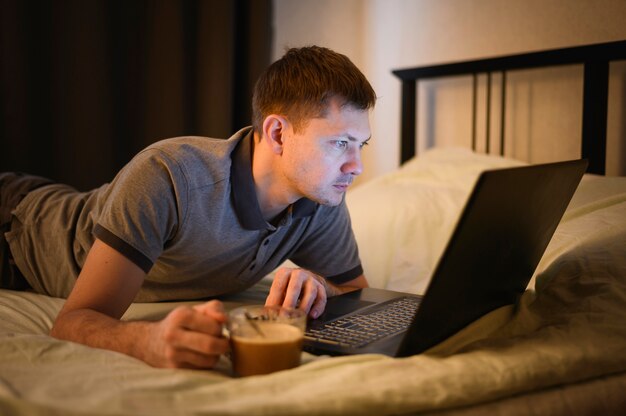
591, 236
403, 220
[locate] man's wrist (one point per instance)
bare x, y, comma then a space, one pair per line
333, 289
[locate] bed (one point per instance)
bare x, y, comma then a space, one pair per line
560, 350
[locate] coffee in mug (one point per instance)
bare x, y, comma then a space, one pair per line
265, 339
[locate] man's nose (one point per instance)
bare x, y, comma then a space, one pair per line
354, 165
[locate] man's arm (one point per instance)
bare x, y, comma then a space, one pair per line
306, 290
105, 288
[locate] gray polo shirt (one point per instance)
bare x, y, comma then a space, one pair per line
185, 211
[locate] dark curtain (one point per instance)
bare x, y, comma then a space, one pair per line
86, 84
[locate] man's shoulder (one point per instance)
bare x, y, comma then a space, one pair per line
198, 146
198, 158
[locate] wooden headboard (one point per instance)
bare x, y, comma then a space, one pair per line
594, 58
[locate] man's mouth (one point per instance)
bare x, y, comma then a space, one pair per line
342, 186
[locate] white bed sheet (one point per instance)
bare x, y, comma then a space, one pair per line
570, 328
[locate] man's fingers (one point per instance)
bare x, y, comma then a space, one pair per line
319, 305
279, 287
196, 353
200, 343
294, 289
309, 294
194, 320
313, 300
213, 309
298, 288
210, 306
191, 337
193, 360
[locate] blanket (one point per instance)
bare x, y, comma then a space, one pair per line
567, 327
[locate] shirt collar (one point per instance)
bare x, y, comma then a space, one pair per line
244, 193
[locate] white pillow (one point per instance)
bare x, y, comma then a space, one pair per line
591, 237
403, 220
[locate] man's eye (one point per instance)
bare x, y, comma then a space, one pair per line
341, 144
362, 145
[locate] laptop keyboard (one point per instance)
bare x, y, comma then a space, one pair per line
360, 329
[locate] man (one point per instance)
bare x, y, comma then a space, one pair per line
192, 218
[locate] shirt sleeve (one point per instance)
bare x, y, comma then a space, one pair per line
143, 208
330, 248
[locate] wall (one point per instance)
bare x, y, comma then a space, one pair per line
381, 35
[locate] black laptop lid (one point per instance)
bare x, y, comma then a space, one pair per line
499, 239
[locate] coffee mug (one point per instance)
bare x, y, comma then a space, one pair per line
265, 339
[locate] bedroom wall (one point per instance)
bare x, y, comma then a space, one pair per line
381, 35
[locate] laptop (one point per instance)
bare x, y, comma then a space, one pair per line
491, 256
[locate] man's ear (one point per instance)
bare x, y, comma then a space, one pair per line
274, 128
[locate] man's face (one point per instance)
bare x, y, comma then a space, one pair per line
321, 160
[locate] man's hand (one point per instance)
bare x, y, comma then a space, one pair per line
299, 288
189, 337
